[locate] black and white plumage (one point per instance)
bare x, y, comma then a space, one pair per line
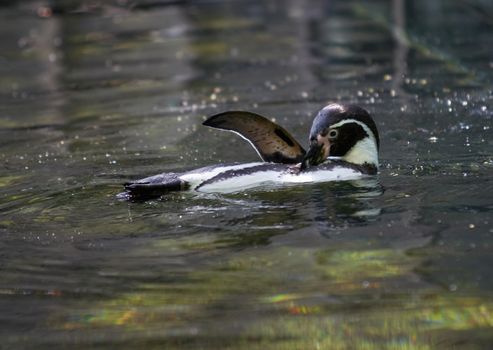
344, 145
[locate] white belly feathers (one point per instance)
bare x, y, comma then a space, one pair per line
235, 178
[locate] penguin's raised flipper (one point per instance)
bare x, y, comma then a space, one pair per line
271, 141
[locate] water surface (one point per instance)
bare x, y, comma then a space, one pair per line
91, 96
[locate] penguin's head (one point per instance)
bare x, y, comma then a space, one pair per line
346, 132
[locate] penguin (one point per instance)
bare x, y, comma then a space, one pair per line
343, 145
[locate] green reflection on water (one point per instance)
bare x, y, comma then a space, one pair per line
301, 298
9, 180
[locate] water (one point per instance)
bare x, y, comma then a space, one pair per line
109, 93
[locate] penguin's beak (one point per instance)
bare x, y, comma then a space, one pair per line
317, 153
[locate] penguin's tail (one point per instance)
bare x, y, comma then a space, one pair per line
154, 186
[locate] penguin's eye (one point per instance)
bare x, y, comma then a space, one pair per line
333, 134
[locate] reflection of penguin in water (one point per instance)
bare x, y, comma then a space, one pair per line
344, 145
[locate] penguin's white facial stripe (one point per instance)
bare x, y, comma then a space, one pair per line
363, 125
363, 151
